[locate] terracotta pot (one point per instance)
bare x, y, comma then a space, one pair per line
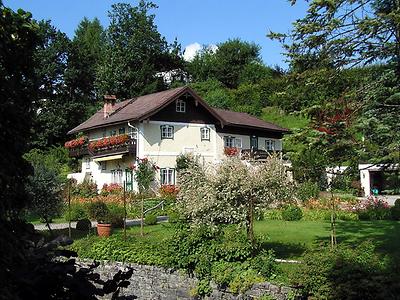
104, 229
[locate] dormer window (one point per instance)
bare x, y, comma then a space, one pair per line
180, 106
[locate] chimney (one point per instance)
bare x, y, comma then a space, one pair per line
109, 102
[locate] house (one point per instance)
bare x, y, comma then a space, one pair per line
161, 126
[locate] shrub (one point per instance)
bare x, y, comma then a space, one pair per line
116, 215
169, 191
150, 219
307, 190
374, 209
98, 211
292, 213
86, 189
173, 217
83, 224
78, 212
273, 214
345, 273
111, 189
395, 210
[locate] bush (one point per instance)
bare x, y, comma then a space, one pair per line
395, 210
86, 189
150, 219
83, 224
292, 213
273, 214
173, 217
345, 273
116, 215
169, 192
98, 211
78, 212
307, 190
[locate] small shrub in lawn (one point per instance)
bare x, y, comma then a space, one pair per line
83, 224
395, 210
307, 190
292, 213
273, 214
150, 219
78, 212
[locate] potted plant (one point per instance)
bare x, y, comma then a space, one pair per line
99, 211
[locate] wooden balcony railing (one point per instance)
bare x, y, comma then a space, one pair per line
247, 154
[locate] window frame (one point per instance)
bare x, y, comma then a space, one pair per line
205, 130
180, 106
230, 138
166, 128
270, 142
172, 170
115, 172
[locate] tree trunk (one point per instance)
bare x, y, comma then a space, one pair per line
141, 217
250, 221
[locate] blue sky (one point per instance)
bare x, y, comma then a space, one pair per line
191, 22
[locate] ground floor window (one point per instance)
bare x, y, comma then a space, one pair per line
167, 176
232, 142
116, 176
269, 145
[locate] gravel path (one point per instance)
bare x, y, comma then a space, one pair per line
129, 222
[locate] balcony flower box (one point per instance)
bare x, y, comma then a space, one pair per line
108, 143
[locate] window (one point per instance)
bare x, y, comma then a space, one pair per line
167, 176
269, 145
180, 106
205, 134
167, 132
116, 176
231, 142
128, 180
87, 163
238, 143
113, 132
103, 165
121, 130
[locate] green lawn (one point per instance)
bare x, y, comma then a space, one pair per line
289, 239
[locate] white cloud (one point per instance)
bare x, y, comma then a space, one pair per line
191, 50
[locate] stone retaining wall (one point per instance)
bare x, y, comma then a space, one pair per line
155, 283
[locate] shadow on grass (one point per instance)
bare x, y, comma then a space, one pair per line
285, 250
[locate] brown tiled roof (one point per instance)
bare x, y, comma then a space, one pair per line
144, 106
245, 120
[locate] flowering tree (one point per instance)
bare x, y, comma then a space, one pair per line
144, 176
229, 193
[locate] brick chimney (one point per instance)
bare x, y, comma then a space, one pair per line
109, 102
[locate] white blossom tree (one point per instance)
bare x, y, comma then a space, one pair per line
230, 192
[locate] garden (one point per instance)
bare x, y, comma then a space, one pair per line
237, 225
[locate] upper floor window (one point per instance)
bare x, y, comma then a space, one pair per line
180, 106
113, 132
167, 176
205, 133
87, 163
167, 132
232, 142
121, 130
269, 145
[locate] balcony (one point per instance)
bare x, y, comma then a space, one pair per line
120, 144
127, 147
260, 155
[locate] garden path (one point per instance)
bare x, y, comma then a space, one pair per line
129, 222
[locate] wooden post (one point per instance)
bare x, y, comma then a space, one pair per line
69, 208
141, 217
124, 195
333, 222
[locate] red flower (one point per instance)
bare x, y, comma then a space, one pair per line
231, 151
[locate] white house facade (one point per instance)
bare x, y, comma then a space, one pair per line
160, 127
